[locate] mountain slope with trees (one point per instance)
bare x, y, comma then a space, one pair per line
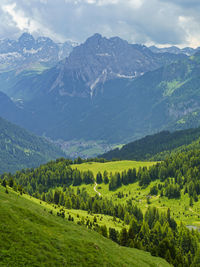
153, 229
96, 85
20, 149
34, 235
151, 145
101, 92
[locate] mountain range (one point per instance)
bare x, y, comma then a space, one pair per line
106, 89
104, 92
189, 51
28, 52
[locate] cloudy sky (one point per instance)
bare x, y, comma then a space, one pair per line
160, 22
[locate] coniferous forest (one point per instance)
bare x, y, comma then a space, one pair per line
155, 231
100, 133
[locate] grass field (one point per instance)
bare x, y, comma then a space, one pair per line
79, 215
113, 166
180, 209
31, 236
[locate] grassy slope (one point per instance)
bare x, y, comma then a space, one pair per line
80, 215
31, 236
180, 208
114, 166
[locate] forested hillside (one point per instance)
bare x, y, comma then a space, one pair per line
33, 236
20, 149
156, 146
152, 229
103, 82
100, 133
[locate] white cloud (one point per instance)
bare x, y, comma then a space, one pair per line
107, 2
142, 21
25, 23
136, 3
19, 18
191, 29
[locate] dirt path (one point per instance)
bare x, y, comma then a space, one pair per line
95, 185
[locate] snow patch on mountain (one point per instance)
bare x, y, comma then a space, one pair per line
104, 55
125, 76
32, 50
29, 51
10, 55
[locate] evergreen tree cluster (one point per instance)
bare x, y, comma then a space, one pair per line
152, 231
156, 146
53, 174
180, 171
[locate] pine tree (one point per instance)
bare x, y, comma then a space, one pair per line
105, 177
56, 197
123, 237
196, 261
99, 178
104, 230
191, 201
113, 234
43, 197
127, 218
4, 183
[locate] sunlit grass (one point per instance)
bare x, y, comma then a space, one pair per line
113, 166
31, 236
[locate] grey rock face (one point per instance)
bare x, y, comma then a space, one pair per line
189, 51
100, 59
27, 51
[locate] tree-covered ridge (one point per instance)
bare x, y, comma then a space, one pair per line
32, 236
152, 231
140, 106
156, 146
20, 149
179, 171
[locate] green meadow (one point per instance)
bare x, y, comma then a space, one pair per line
79, 215
180, 208
32, 236
113, 166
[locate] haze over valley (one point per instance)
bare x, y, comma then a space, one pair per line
100, 133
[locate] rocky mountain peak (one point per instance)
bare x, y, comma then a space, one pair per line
189, 51
26, 39
94, 39
100, 59
26, 51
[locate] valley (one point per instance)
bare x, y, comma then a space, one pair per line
72, 100
84, 149
99, 153
132, 203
